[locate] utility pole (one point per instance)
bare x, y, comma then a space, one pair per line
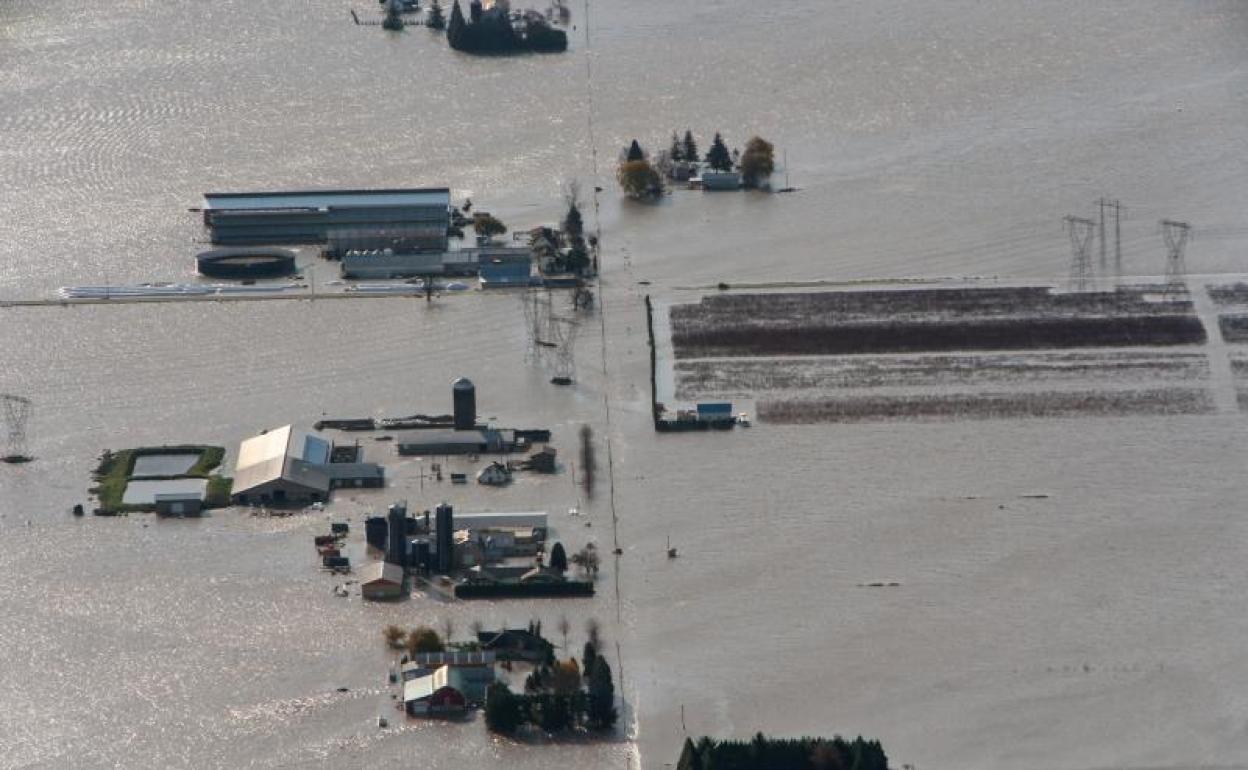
1082, 231
1175, 235
1101, 204
1117, 238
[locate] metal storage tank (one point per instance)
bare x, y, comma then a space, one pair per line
421, 555
375, 532
464, 394
396, 542
445, 520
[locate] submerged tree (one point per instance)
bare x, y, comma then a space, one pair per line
676, 153
638, 179
436, 19
758, 162
588, 655
559, 558
718, 157
601, 712
424, 639
502, 709
487, 225
589, 462
587, 559
455, 29
573, 224
394, 636
691, 147
393, 20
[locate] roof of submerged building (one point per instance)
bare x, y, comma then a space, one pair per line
284, 452
326, 199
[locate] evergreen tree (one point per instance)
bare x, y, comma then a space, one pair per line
588, 656
573, 224
502, 709
689, 759
559, 558
455, 30
677, 152
635, 152
436, 19
393, 20
718, 156
691, 147
554, 712
601, 709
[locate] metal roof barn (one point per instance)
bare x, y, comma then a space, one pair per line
326, 199
310, 216
381, 580
282, 465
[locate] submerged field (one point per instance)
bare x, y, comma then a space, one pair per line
928, 320
943, 354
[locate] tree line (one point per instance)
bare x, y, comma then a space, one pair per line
640, 178
558, 695
765, 753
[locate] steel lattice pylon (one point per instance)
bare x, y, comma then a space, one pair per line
1175, 235
17, 411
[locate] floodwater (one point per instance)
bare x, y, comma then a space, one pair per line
1071, 591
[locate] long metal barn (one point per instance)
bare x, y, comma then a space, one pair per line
419, 216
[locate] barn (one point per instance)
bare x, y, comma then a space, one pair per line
283, 466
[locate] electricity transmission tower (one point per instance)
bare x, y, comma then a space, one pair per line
564, 331
1176, 235
17, 411
1103, 204
551, 337
1081, 232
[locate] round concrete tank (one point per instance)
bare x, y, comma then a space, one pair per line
464, 394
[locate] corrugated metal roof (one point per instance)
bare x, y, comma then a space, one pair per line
382, 570
282, 453
534, 519
452, 658
430, 437
324, 199
418, 688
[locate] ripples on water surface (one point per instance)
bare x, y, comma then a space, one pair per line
1100, 626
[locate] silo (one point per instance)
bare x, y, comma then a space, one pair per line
375, 532
420, 555
445, 520
464, 394
396, 542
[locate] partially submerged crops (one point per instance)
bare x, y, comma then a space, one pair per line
1234, 327
1160, 401
928, 320
945, 354
1229, 294
759, 375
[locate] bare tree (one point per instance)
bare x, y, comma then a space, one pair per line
588, 462
448, 629
593, 630
564, 628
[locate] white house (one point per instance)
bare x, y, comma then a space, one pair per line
495, 474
